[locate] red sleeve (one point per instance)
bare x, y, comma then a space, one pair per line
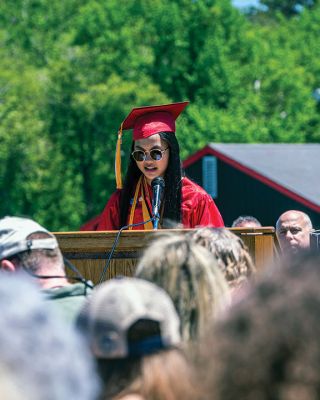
207, 213
91, 225
198, 207
110, 216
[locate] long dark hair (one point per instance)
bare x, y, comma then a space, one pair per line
172, 199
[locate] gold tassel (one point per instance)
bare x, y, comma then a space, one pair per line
145, 212
118, 160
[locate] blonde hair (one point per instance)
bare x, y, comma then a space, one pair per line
190, 275
232, 255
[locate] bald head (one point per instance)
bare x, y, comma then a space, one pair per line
293, 231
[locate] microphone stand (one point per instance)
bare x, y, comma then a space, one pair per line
157, 185
155, 221
103, 274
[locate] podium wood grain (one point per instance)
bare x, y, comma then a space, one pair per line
89, 251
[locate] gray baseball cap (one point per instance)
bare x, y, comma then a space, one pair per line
13, 236
118, 304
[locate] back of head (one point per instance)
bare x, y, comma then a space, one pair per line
268, 346
190, 275
246, 221
133, 330
232, 255
28, 244
125, 305
47, 358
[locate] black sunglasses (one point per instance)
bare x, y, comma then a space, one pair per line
141, 155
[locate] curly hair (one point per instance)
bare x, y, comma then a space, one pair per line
190, 275
173, 176
268, 346
232, 255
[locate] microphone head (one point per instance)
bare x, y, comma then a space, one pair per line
158, 181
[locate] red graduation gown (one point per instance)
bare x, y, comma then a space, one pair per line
198, 209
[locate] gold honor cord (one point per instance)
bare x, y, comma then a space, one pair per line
145, 212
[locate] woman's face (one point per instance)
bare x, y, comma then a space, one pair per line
150, 167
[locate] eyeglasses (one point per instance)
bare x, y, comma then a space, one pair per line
155, 154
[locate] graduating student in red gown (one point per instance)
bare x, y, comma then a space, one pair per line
155, 152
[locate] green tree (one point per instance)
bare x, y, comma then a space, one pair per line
71, 71
288, 8
33, 179
37, 27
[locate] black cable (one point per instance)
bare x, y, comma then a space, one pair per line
79, 277
105, 269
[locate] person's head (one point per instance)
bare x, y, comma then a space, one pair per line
231, 253
151, 155
133, 331
154, 152
191, 276
293, 230
268, 345
42, 357
24, 244
246, 221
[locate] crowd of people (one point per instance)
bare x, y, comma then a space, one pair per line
196, 321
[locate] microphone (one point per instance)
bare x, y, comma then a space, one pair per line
157, 185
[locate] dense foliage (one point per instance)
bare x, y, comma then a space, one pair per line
71, 71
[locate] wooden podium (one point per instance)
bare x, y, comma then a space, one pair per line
89, 251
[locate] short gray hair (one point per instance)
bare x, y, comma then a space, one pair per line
36, 260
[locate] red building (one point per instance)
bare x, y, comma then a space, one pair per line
262, 180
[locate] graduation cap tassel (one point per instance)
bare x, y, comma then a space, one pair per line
118, 160
145, 122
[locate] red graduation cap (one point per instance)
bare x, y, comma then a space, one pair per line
145, 122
